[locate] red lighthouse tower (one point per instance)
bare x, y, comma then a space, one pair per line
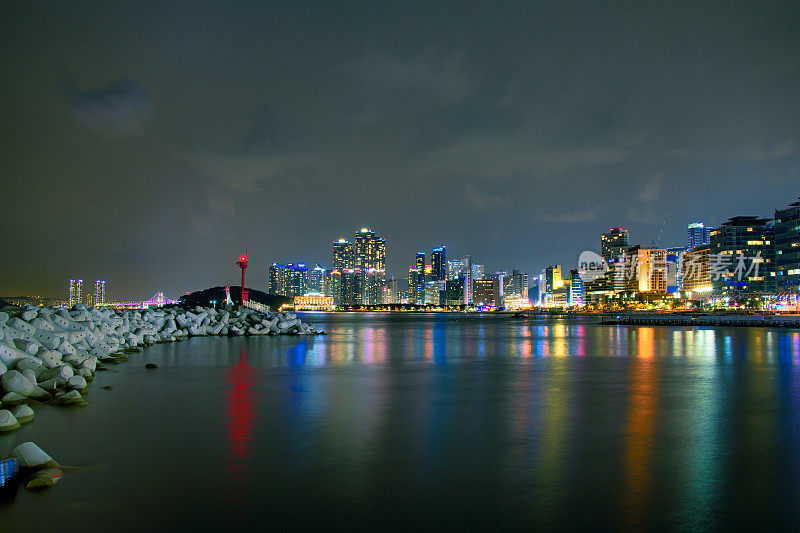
242, 263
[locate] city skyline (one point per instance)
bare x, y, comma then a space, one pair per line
610, 246
739, 262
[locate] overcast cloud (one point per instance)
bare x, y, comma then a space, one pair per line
513, 132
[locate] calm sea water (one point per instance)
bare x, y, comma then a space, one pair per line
433, 421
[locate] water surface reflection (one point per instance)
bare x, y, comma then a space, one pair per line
440, 421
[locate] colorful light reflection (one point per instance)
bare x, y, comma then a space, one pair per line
240, 413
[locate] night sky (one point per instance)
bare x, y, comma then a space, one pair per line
149, 145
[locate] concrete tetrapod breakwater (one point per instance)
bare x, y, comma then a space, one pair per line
50, 354
655, 319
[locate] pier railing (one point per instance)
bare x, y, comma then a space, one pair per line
256, 306
678, 319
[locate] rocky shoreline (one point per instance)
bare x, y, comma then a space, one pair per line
51, 354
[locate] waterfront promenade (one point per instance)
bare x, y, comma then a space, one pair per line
681, 319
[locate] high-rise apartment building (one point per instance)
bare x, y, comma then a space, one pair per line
697, 234
696, 270
787, 248
614, 243
370, 251
365, 259
390, 292
297, 283
370, 260
674, 269
344, 257
477, 271
75, 291
454, 268
486, 291
575, 289
99, 292
351, 288
504, 283
277, 279
412, 284
372, 287
552, 287
419, 290
289, 280
645, 269
433, 290
466, 270
744, 255
454, 292
613, 246
439, 264
552, 278
533, 291
317, 280
515, 285
336, 287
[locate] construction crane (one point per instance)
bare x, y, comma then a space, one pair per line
657, 242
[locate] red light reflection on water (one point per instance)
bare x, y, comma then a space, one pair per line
240, 413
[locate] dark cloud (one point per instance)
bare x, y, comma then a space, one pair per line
117, 107
515, 132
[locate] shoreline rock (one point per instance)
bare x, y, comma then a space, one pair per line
51, 354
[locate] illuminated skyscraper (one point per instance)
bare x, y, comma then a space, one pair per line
503, 282
486, 291
697, 234
454, 292
390, 292
646, 269
575, 289
370, 259
370, 251
675, 268
316, 280
614, 243
372, 287
412, 284
477, 271
350, 287
787, 248
336, 287
466, 271
433, 290
420, 281
747, 242
439, 264
277, 279
343, 255
515, 285
454, 268
99, 292
293, 279
297, 279
552, 278
75, 289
